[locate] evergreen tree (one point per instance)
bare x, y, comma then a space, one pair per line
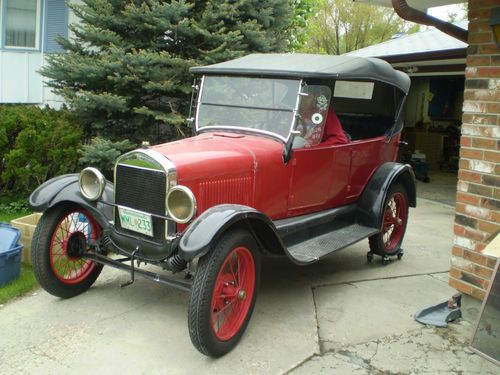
126, 70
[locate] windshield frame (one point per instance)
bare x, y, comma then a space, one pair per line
249, 130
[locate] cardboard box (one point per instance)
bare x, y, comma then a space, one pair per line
26, 226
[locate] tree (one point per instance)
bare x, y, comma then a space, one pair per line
126, 71
342, 26
458, 13
303, 9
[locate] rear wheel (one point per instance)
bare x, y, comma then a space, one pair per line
62, 236
223, 294
395, 218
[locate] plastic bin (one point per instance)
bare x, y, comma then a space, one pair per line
421, 170
10, 254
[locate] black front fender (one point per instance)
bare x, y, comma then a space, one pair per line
65, 189
206, 228
371, 202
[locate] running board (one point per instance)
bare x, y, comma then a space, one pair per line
310, 237
313, 249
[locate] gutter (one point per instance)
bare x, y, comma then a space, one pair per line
457, 53
408, 13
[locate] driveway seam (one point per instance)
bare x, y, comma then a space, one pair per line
319, 350
301, 363
377, 278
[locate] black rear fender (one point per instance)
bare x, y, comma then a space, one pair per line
211, 224
371, 202
65, 189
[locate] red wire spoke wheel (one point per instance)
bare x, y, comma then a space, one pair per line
233, 293
223, 293
395, 216
395, 219
70, 239
63, 235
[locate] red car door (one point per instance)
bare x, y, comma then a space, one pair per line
367, 156
319, 178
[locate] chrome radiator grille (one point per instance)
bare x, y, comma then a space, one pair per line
143, 190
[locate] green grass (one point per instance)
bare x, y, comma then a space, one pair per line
7, 217
26, 281
24, 284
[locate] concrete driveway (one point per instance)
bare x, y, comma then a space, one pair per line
343, 315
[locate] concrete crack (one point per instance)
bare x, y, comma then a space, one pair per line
376, 352
317, 321
123, 312
45, 355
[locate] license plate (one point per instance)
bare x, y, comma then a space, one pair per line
136, 221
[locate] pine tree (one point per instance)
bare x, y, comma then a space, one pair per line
126, 70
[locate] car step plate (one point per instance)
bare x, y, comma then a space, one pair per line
314, 249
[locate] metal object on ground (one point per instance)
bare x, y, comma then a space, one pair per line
439, 315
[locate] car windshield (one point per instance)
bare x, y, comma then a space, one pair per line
264, 105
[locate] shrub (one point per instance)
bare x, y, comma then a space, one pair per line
14, 206
101, 153
35, 145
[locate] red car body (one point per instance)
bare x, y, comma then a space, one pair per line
249, 170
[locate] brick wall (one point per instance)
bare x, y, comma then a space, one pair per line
478, 190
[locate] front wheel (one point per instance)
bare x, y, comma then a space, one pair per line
395, 218
223, 293
62, 236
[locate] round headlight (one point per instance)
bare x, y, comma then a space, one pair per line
181, 204
92, 183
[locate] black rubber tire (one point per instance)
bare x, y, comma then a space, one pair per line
199, 322
40, 256
376, 241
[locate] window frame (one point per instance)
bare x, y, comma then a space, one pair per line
38, 28
248, 130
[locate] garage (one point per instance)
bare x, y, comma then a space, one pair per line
435, 62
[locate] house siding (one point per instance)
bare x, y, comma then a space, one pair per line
20, 81
478, 190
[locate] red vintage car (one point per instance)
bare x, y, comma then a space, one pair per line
292, 155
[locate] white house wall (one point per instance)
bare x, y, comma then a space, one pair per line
19, 80
72, 18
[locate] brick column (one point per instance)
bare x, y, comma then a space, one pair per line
478, 191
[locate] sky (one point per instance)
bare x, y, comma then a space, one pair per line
442, 12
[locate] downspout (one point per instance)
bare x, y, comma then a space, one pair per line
408, 13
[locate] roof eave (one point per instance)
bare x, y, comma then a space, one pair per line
429, 55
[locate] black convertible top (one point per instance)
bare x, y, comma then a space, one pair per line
303, 65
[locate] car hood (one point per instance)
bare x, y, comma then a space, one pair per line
215, 155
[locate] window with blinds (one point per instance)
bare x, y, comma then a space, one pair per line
21, 23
